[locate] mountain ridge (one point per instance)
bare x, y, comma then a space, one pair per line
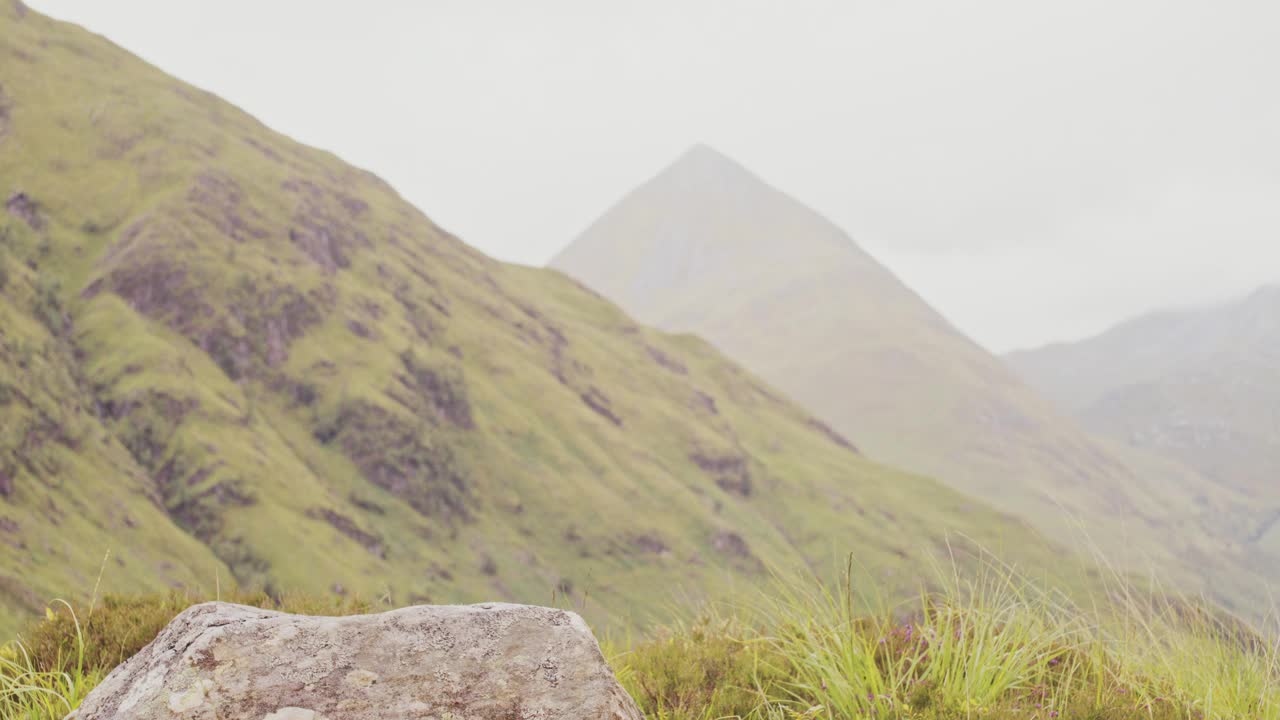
1198, 385
227, 357
833, 328
1172, 337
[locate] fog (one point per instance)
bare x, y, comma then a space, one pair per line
1038, 170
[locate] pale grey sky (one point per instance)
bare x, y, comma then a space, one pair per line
1037, 170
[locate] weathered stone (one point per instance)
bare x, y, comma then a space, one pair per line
219, 661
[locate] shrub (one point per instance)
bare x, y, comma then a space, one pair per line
705, 670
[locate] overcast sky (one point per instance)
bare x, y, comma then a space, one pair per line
1037, 170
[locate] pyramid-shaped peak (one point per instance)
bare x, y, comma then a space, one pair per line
702, 153
704, 216
702, 164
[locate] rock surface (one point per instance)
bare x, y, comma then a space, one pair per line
475, 662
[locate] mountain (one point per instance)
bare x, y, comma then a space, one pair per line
707, 247
226, 357
1199, 385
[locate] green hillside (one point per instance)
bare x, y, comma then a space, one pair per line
708, 247
226, 357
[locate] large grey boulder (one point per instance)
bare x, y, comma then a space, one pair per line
219, 661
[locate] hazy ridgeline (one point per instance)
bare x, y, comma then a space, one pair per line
775, 480
707, 247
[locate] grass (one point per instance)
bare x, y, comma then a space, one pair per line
223, 354
27, 691
49, 670
993, 645
996, 646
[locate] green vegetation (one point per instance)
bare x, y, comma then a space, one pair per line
998, 646
49, 670
226, 357
230, 359
995, 646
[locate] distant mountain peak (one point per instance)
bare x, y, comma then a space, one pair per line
699, 152
475, 386
708, 247
702, 155
704, 214
702, 168
1266, 293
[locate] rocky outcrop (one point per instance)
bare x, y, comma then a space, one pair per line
20, 205
480, 662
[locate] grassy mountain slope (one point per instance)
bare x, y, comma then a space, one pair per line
226, 355
1201, 386
707, 247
